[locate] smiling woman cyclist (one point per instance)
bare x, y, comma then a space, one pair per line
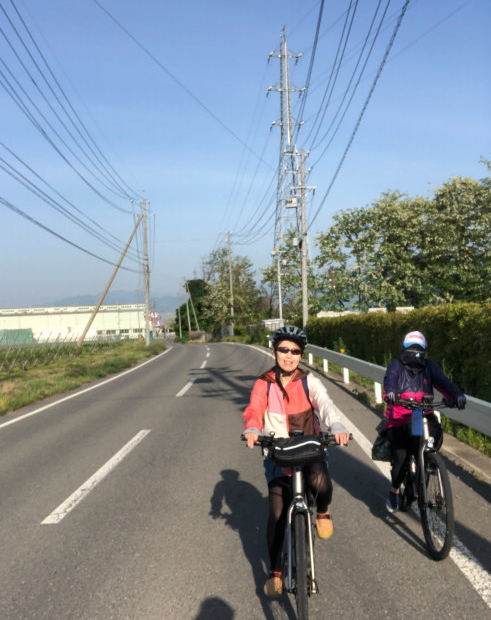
286, 398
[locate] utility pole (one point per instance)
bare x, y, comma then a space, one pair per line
146, 273
104, 293
192, 305
304, 240
146, 269
187, 306
179, 314
232, 324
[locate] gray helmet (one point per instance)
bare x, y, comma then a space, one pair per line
292, 333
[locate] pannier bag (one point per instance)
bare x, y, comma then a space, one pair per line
381, 445
302, 450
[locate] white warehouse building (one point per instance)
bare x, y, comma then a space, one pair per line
67, 323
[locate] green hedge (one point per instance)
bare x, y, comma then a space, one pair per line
458, 335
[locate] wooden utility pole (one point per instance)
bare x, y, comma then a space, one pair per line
99, 304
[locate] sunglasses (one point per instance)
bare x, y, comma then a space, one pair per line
292, 351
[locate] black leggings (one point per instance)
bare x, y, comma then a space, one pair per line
403, 444
318, 480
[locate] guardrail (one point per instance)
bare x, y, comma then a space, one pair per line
477, 413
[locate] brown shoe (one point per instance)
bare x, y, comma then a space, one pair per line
324, 525
274, 584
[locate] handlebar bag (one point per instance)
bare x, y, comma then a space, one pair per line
296, 451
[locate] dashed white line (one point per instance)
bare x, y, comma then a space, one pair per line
185, 388
75, 498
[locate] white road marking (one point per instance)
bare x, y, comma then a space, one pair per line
203, 364
75, 498
185, 388
92, 387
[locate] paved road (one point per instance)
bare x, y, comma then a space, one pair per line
134, 499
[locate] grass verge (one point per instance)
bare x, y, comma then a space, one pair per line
63, 374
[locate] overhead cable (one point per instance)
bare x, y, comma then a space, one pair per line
396, 29
52, 232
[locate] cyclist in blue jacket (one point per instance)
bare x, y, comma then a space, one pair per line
412, 376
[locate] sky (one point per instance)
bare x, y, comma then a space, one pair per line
107, 103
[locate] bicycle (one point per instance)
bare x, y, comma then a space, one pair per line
298, 548
427, 481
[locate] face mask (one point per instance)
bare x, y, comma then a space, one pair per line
413, 359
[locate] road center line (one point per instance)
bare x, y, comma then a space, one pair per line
185, 388
75, 498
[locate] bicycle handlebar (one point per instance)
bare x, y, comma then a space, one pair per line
265, 441
426, 403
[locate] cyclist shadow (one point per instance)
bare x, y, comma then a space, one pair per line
245, 510
371, 487
215, 608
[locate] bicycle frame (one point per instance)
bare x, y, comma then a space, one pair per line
299, 504
423, 446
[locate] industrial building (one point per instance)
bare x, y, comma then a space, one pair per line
67, 323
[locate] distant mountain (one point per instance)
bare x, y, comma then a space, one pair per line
162, 303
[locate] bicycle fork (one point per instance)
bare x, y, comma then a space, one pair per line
299, 505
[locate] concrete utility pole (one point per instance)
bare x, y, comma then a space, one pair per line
104, 293
187, 306
232, 324
305, 292
146, 273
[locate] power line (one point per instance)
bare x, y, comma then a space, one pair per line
396, 29
176, 80
80, 122
52, 232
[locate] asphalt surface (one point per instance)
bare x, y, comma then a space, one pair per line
160, 510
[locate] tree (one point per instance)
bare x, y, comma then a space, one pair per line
413, 251
246, 296
197, 291
456, 252
291, 278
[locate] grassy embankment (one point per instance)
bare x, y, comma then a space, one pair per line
19, 387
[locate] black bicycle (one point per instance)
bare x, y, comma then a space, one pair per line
427, 480
298, 549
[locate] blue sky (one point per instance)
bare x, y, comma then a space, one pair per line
174, 98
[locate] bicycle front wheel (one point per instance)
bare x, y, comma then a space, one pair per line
437, 516
301, 582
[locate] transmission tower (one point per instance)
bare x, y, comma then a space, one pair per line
287, 202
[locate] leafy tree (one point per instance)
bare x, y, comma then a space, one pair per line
246, 296
456, 249
197, 291
291, 278
412, 251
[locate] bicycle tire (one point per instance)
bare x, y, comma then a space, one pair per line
437, 517
301, 581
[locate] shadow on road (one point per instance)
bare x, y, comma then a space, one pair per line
215, 609
245, 510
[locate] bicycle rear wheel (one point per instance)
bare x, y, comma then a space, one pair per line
437, 516
301, 582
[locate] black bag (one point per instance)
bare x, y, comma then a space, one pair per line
381, 446
302, 450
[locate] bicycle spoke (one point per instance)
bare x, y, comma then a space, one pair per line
437, 515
